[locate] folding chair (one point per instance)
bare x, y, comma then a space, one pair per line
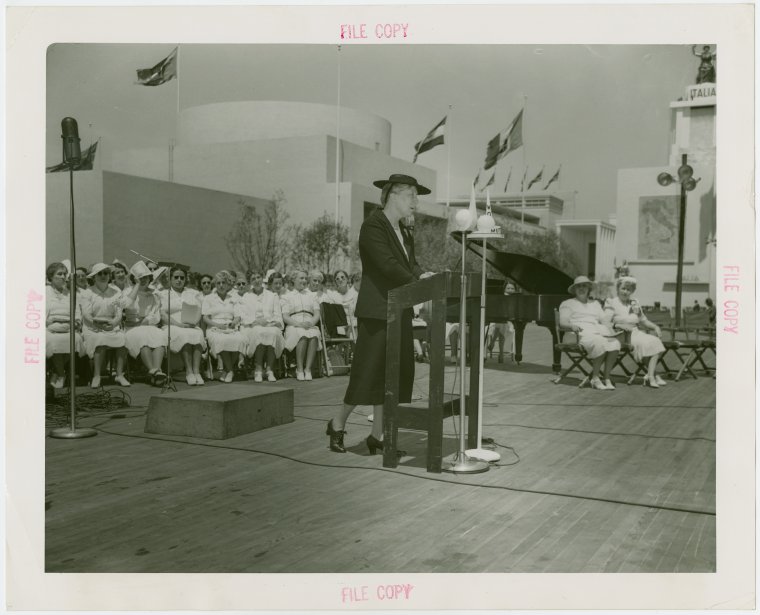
573, 351
663, 319
698, 324
337, 339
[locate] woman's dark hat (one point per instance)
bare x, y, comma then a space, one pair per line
397, 178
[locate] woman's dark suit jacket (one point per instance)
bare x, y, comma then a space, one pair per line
384, 265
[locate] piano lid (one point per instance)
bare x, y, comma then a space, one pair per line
533, 275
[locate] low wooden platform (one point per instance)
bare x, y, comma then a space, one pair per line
219, 413
589, 481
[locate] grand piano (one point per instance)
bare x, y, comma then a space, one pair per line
543, 289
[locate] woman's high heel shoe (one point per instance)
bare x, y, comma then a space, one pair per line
650, 383
336, 439
374, 444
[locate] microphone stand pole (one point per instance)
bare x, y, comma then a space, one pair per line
460, 462
72, 431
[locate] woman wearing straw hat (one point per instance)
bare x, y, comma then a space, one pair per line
387, 255
142, 315
101, 313
586, 317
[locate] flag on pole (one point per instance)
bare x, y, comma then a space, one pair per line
537, 178
433, 138
554, 178
164, 71
492, 152
514, 136
508, 178
85, 162
522, 183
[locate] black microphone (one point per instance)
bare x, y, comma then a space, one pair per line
72, 153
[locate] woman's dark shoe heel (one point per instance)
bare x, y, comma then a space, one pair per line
336, 439
374, 444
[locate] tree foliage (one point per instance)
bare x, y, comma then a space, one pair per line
258, 240
323, 244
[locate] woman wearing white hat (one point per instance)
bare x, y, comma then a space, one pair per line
625, 313
586, 317
58, 323
142, 317
101, 313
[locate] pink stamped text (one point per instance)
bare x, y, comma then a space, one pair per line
731, 306
32, 322
380, 30
366, 593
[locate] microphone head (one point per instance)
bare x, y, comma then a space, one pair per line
69, 128
70, 135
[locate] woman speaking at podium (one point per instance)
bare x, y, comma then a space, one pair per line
387, 253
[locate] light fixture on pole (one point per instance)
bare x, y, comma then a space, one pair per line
686, 179
487, 229
72, 156
459, 462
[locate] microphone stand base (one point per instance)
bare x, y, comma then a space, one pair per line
462, 464
72, 434
169, 385
483, 454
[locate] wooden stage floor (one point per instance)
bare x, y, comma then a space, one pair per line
589, 481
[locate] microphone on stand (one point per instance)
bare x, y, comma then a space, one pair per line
72, 152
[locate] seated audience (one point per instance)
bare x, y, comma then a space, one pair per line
182, 307
261, 324
142, 316
101, 314
58, 323
626, 314
300, 311
586, 317
218, 312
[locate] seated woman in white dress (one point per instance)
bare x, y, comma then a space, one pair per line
586, 317
300, 311
101, 314
182, 306
626, 314
261, 324
222, 333
58, 323
142, 317
345, 295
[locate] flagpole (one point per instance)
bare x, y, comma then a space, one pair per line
337, 150
525, 164
448, 163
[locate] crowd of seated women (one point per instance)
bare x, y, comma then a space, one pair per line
226, 319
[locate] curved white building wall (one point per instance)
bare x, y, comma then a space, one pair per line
232, 122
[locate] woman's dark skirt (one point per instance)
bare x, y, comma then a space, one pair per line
366, 386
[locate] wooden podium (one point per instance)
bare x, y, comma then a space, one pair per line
442, 290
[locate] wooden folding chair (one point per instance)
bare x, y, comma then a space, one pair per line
573, 351
696, 324
663, 319
337, 339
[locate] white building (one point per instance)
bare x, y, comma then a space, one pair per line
648, 212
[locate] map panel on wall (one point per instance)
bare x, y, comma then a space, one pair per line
658, 228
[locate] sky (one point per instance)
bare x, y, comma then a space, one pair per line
591, 109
